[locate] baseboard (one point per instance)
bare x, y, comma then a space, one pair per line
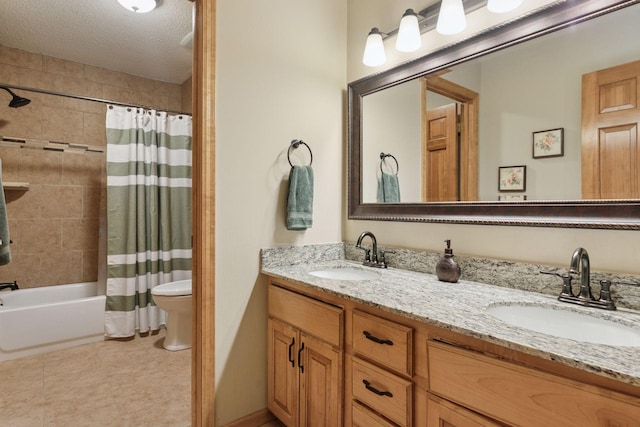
256, 419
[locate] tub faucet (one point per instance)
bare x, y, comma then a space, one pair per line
580, 265
13, 286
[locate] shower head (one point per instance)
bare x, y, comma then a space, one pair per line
16, 101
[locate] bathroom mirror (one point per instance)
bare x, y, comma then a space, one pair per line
540, 202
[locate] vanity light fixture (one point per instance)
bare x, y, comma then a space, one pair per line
374, 49
409, 39
446, 16
451, 19
502, 6
138, 6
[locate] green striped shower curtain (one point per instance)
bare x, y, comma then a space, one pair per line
148, 214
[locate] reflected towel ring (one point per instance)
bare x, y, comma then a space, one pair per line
383, 156
295, 144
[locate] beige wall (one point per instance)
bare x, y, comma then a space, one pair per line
55, 224
280, 76
609, 250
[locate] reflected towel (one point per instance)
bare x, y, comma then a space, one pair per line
388, 188
300, 199
5, 240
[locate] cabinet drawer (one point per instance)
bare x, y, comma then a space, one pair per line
364, 417
319, 319
389, 394
383, 341
517, 395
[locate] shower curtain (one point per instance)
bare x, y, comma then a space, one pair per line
148, 214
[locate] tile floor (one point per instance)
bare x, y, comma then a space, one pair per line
112, 383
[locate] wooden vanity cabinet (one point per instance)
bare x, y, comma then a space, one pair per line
435, 377
520, 395
380, 368
442, 413
305, 369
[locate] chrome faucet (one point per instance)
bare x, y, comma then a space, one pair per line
371, 260
580, 265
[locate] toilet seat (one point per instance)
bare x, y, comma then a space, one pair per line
173, 289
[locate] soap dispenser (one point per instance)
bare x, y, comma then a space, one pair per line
447, 268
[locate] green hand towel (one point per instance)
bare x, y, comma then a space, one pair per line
5, 251
388, 188
300, 199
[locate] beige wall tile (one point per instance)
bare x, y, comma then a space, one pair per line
80, 234
40, 167
82, 169
24, 204
168, 89
58, 201
39, 235
62, 67
100, 75
9, 74
82, 87
60, 267
39, 100
20, 58
119, 94
91, 202
9, 158
41, 80
24, 268
95, 132
62, 125
174, 104
23, 122
138, 84
89, 265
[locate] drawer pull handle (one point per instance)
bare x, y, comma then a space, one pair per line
300, 359
376, 339
293, 362
372, 389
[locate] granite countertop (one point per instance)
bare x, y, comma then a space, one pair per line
461, 307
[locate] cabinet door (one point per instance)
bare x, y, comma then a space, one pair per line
282, 393
442, 413
320, 370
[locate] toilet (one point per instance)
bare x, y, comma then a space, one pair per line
175, 299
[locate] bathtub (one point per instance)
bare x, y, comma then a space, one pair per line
38, 320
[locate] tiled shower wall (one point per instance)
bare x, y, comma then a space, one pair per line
58, 226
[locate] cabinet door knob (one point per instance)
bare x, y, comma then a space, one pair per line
300, 359
376, 339
293, 362
372, 389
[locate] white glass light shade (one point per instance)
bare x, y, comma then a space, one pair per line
451, 19
502, 6
409, 39
138, 6
374, 49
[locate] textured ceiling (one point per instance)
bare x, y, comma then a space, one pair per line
103, 34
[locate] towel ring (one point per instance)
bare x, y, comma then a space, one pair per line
383, 156
295, 144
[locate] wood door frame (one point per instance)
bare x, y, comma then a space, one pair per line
203, 215
469, 101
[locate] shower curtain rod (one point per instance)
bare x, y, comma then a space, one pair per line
88, 98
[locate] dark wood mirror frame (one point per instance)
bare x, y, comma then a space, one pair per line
618, 214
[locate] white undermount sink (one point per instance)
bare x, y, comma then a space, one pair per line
345, 273
567, 323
